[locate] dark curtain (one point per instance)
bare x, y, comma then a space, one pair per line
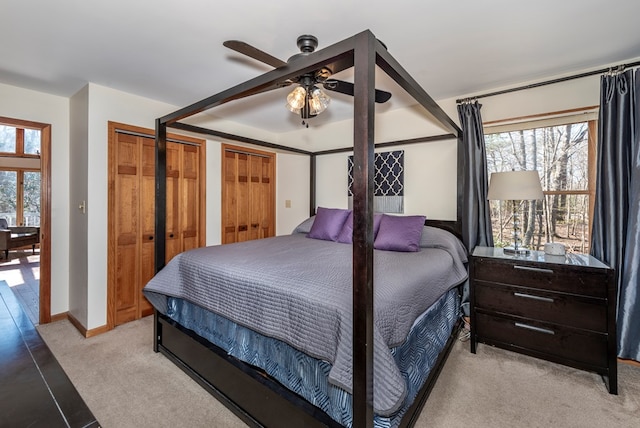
476, 218
616, 220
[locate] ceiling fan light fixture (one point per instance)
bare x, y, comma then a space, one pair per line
318, 101
296, 99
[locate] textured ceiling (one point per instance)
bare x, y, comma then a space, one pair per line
172, 51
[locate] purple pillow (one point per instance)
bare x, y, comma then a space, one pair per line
399, 233
346, 235
328, 223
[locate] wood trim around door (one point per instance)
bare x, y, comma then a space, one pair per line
45, 212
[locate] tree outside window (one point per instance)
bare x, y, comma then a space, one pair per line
562, 156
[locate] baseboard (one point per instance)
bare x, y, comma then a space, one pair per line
630, 362
60, 316
83, 330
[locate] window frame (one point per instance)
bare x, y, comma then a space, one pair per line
587, 115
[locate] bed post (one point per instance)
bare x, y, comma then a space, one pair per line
161, 194
312, 185
363, 166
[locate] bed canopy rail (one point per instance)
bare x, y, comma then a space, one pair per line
442, 224
363, 52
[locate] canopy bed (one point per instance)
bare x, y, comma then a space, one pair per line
253, 393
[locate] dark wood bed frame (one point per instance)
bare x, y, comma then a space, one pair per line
251, 394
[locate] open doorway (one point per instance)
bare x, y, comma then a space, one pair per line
25, 192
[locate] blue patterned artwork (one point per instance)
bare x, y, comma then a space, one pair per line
388, 179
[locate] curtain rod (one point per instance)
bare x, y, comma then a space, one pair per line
550, 82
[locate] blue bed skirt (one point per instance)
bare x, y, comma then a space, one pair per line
308, 376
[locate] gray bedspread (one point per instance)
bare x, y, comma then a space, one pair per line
298, 290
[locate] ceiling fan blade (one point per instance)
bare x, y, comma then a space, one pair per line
382, 96
255, 53
347, 88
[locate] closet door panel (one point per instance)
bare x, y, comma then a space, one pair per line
256, 200
190, 197
243, 195
248, 203
266, 199
229, 199
127, 224
126, 290
147, 222
173, 243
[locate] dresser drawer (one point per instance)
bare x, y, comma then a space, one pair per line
564, 342
555, 277
557, 308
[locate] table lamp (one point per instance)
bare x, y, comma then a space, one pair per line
515, 186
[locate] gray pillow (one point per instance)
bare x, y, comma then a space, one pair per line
328, 223
305, 226
433, 237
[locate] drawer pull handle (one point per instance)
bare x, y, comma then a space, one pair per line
531, 296
534, 269
534, 328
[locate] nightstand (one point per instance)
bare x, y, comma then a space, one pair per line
558, 308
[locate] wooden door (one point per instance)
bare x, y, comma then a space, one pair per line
147, 222
132, 213
173, 244
127, 192
248, 194
190, 184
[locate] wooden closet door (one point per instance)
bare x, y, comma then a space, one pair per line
229, 198
147, 222
266, 199
131, 262
173, 243
190, 211
261, 197
127, 193
242, 194
248, 195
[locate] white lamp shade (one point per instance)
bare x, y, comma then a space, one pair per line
515, 186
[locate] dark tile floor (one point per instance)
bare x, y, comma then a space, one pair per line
34, 390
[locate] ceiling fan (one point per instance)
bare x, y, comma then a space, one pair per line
307, 99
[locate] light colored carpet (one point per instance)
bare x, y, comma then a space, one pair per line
125, 384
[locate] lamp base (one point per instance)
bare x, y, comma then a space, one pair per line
516, 251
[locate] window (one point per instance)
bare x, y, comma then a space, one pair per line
8, 196
20, 175
19, 141
563, 155
7, 139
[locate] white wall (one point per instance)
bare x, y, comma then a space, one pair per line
429, 176
293, 181
78, 219
572, 94
24, 104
